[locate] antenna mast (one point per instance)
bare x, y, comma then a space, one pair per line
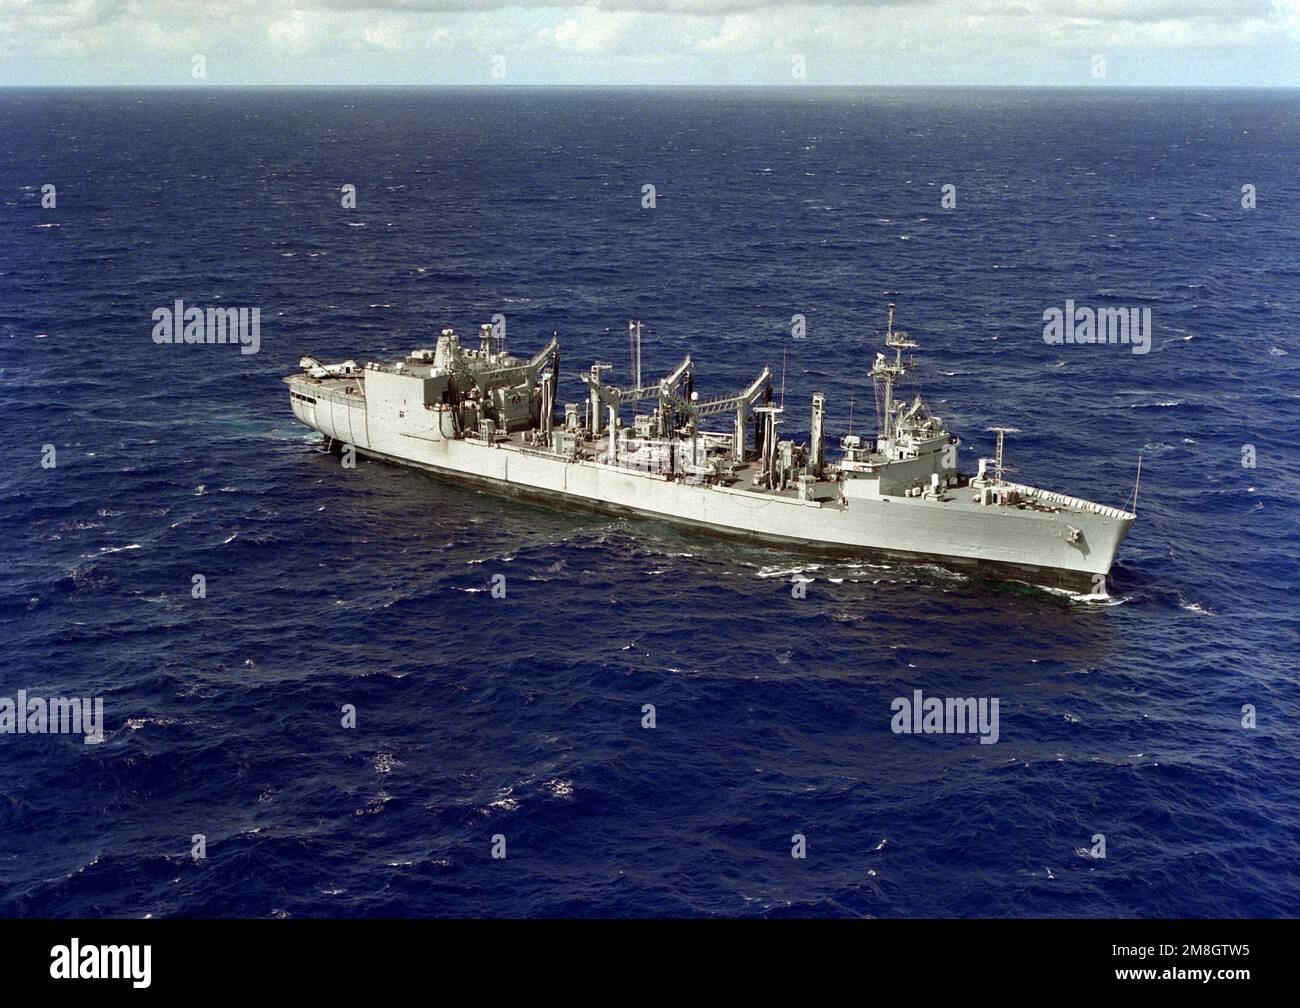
1001, 432
634, 350
898, 342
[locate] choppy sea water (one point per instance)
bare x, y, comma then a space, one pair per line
521, 716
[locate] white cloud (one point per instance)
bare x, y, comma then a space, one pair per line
591, 32
388, 35
742, 33
297, 34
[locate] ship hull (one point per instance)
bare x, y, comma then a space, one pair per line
995, 543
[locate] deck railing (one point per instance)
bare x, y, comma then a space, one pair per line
1077, 503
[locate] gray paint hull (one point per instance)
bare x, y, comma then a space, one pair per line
1071, 581
998, 542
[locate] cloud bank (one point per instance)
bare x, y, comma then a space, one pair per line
1210, 42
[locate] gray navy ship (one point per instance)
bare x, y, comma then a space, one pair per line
484, 417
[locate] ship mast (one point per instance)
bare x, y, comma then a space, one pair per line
634, 347
890, 372
998, 469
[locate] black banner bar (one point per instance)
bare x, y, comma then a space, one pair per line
334, 957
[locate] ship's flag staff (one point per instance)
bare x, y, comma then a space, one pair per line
1136, 483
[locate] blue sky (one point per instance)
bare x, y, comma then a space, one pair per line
449, 42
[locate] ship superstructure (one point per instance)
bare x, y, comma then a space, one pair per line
483, 416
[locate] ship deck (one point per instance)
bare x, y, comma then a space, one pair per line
963, 496
595, 450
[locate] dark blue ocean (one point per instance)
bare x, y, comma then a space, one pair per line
521, 716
